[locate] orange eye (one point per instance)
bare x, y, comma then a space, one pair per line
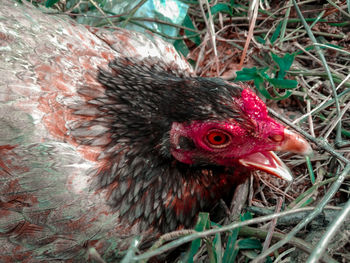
218, 139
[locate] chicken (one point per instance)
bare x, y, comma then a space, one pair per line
107, 135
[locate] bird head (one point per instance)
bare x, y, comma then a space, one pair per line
175, 143
247, 142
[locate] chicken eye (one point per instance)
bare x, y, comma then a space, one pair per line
218, 139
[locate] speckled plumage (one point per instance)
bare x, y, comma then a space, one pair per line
95, 138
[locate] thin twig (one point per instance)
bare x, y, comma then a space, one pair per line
335, 122
271, 228
319, 142
189, 238
101, 11
324, 62
330, 193
211, 30
133, 11
299, 243
330, 233
255, 6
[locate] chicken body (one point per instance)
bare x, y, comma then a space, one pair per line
106, 135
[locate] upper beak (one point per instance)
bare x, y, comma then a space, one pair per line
269, 162
293, 142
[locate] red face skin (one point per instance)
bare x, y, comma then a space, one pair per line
225, 142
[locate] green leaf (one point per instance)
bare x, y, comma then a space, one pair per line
262, 73
247, 74
246, 216
284, 63
231, 250
181, 47
276, 33
221, 7
259, 76
50, 3
190, 34
261, 88
286, 94
203, 223
217, 248
283, 83
249, 243
332, 45
260, 40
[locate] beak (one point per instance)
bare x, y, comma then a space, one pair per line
269, 162
293, 142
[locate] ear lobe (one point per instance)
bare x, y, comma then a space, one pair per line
180, 143
186, 143
177, 131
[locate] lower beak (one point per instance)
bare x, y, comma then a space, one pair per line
269, 162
